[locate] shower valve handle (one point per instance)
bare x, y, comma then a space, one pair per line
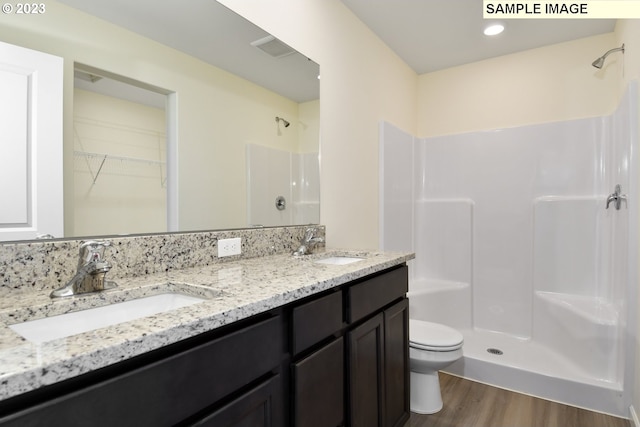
617, 198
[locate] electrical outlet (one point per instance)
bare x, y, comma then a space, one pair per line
228, 247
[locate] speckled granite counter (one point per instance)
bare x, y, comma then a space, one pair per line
235, 290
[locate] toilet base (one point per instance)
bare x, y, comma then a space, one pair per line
425, 393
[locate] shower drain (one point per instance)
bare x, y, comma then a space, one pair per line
495, 351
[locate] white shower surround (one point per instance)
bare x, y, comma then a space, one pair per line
272, 173
514, 247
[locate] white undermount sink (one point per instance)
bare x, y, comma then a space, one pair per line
338, 260
64, 325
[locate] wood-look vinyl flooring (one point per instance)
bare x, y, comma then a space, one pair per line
471, 404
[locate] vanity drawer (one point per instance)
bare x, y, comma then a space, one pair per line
372, 294
316, 320
169, 390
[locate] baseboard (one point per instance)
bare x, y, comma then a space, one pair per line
634, 417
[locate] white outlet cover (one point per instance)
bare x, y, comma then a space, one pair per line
228, 247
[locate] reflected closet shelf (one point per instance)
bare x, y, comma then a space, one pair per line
98, 163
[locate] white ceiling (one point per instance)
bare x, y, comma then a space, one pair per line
431, 35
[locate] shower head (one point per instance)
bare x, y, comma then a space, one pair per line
280, 119
598, 63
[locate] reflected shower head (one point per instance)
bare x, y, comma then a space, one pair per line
598, 63
280, 119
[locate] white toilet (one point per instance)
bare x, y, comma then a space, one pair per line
431, 347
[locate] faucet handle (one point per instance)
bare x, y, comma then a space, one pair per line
92, 250
308, 233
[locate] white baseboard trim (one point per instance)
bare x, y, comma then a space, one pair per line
635, 422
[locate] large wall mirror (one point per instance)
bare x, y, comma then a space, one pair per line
178, 117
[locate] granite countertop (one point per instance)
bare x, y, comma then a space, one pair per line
233, 290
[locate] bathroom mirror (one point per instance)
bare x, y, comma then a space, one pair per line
239, 98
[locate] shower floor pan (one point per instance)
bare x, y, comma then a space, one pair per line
531, 368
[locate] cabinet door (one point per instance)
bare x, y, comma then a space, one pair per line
396, 364
259, 407
318, 382
366, 364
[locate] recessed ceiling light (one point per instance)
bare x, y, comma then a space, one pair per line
493, 29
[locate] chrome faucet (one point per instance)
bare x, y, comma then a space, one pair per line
92, 269
309, 241
617, 198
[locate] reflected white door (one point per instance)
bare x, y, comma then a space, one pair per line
30, 144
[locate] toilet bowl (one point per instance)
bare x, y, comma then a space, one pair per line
431, 347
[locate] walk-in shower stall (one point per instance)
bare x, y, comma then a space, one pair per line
523, 244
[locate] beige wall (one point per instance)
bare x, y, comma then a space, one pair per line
218, 113
535, 86
362, 82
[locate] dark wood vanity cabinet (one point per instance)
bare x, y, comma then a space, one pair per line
360, 376
337, 359
317, 369
378, 352
232, 377
366, 373
378, 377
396, 367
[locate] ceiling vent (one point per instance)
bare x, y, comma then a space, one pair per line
273, 47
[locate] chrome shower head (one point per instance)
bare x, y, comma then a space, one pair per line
598, 63
280, 119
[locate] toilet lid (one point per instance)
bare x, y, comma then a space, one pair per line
433, 336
